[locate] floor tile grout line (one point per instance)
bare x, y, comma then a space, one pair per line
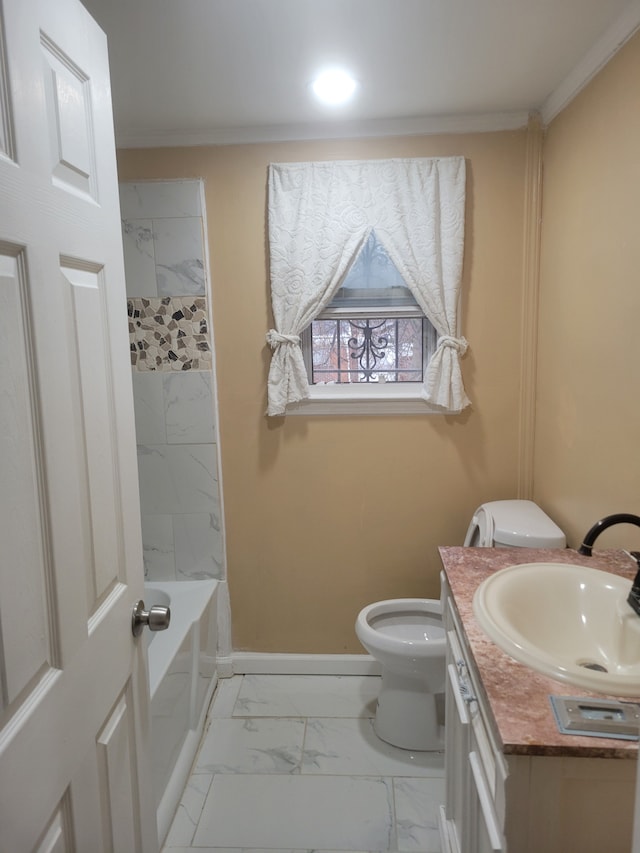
394, 817
302, 750
230, 708
408, 771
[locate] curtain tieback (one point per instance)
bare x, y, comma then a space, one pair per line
274, 339
458, 344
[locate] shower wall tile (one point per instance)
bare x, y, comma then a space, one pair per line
179, 256
198, 546
158, 548
188, 408
169, 334
139, 257
160, 199
173, 408
149, 406
178, 479
173, 382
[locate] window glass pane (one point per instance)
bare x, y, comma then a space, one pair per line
368, 350
373, 280
373, 268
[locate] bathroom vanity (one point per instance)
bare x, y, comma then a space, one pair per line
514, 783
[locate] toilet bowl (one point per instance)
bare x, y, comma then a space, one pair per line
407, 638
406, 635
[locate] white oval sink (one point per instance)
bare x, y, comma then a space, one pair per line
569, 622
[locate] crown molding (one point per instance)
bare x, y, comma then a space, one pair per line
609, 43
424, 126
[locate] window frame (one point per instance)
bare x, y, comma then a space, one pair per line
364, 398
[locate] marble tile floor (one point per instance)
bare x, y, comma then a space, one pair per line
291, 763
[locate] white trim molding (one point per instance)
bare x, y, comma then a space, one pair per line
423, 126
530, 298
609, 43
371, 398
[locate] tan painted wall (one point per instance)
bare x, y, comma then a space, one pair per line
325, 515
587, 463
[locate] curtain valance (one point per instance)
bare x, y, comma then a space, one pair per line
321, 214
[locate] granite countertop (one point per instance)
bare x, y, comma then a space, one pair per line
518, 696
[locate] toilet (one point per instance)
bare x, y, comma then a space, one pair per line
407, 638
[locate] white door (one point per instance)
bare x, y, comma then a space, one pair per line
73, 686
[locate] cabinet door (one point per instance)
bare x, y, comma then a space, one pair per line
457, 749
471, 758
583, 804
484, 833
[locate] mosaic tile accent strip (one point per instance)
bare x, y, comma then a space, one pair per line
170, 333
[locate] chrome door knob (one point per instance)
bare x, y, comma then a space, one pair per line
156, 618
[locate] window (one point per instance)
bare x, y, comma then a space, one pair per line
365, 262
373, 330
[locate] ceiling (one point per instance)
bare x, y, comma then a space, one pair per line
222, 71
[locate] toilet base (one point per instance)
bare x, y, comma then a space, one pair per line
406, 714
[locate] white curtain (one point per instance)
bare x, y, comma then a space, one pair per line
320, 214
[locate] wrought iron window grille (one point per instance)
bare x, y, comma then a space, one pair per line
377, 349
373, 330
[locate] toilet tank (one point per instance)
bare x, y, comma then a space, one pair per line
513, 524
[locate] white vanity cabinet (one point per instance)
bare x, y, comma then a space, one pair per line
507, 803
475, 768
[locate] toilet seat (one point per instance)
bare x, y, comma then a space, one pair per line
412, 622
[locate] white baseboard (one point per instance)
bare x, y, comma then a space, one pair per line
256, 663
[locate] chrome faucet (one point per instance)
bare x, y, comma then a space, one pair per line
608, 521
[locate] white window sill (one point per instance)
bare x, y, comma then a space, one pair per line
390, 398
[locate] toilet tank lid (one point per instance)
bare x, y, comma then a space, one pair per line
522, 524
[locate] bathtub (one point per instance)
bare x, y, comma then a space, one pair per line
182, 678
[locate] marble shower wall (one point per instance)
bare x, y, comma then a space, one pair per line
173, 382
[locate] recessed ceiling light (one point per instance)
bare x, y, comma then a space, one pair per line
334, 86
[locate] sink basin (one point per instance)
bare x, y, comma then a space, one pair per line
569, 622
